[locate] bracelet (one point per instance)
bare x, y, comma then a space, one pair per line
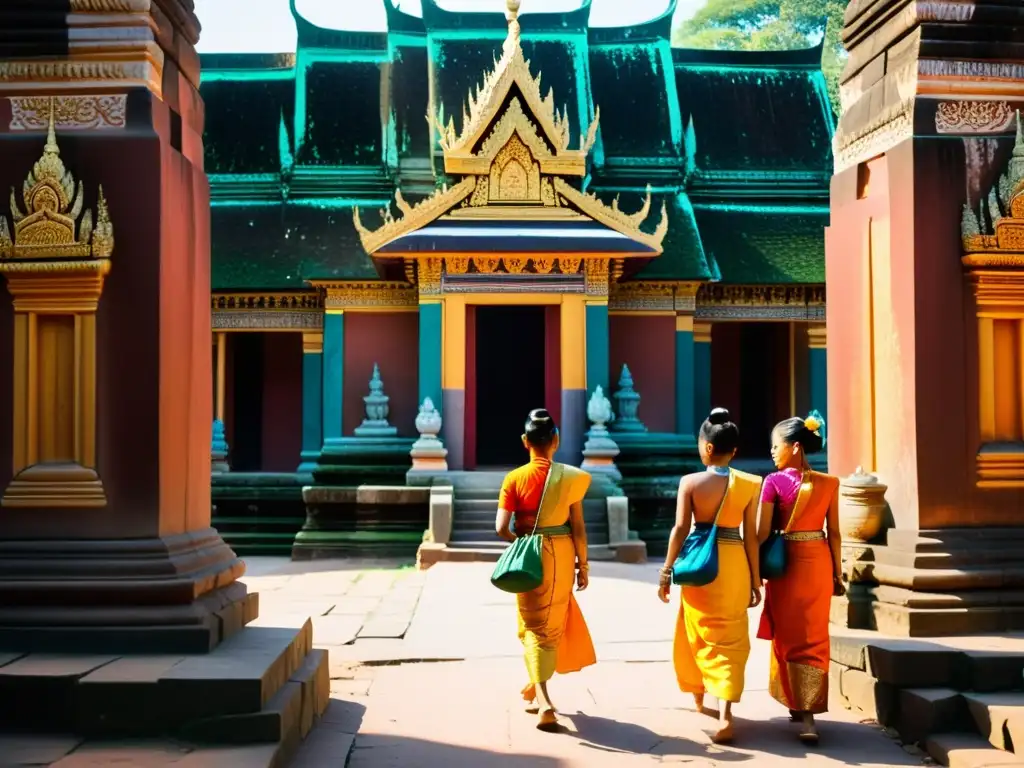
583, 567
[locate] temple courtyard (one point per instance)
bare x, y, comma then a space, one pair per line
425, 671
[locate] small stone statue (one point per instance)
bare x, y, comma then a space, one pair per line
628, 403
429, 453
219, 449
376, 422
600, 450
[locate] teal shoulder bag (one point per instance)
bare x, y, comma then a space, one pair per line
772, 554
520, 568
697, 564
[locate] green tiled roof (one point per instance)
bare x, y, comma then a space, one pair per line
263, 247
683, 257
765, 244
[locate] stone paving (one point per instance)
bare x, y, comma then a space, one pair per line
426, 671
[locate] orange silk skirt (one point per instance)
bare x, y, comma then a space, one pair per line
795, 619
552, 629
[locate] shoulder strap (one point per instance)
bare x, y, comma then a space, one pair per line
543, 495
725, 497
802, 497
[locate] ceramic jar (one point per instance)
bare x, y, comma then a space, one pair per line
861, 506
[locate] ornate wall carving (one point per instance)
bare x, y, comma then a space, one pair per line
82, 112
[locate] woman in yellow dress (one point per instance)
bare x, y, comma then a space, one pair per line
712, 639
551, 627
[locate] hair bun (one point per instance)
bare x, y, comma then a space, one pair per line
719, 416
539, 415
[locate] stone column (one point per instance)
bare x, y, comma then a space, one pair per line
144, 571
333, 365
817, 364
431, 329
922, 127
312, 399
702, 404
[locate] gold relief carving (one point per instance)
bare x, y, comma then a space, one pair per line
973, 116
429, 274
83, 112
595, 273
55, 264
486, 264
455, 265
568, 265
111, 6
514, 265
686, 297
642, 296
998, 224
308, 300
625, 223
515, 176
701, 332
543, 265
147, 73
479, 196
411, 217
716, 294
512, 69
343, 296
889, 128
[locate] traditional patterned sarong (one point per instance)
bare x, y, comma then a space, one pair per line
712, 638
796, 605
551, 626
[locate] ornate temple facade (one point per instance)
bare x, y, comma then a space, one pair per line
503, 212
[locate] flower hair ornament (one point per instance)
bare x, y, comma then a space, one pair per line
815, 422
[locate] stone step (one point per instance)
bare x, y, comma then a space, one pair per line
999, 718
476, 537
922, 712
478, 494
468, 506
67, 749
150, 696
958, 750
287, 718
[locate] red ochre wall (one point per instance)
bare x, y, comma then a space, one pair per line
647, 344
390, 339
282, 402
726, 353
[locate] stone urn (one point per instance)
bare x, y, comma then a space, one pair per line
861, 506
428, 420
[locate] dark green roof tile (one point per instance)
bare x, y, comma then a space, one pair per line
243, 123
281, 246
765, 244
683, 257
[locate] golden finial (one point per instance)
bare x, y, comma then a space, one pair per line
512, 8
51, 134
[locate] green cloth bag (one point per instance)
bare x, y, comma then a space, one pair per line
520, 568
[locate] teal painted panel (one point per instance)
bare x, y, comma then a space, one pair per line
430, 354
333, 378
819, 381
597, 348
685, 380
701, 382
312, 408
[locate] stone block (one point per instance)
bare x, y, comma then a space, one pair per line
123, 698
924, 712
876, 699
990, 671
992, 713
239, 677
39, 688
633, 552
969, 751
912, 663
849, 649
35, 750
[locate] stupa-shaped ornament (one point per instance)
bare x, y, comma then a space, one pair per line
428, 453
376, 422
219, 448
627, 403
600, 450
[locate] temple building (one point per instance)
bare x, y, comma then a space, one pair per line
500, 212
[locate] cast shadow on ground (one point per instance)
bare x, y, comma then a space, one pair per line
373, 751
606, 735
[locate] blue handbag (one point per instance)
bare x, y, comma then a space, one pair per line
772, 554
697, 564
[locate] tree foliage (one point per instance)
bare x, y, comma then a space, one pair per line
770, 25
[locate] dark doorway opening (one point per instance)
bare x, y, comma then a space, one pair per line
764, 385
509, 380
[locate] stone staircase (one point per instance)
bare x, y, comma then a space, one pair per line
960, 700
265, 685
475, 502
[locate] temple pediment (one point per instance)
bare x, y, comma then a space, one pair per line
994, 234
514, 159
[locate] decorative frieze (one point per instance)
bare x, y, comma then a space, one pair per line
379, 295
70, 113
977, 117
266, 301
267, 320
654, 296
595, 273
761, 302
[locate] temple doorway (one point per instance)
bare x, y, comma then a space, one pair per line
509, 374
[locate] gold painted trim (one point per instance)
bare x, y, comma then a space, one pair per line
1003, 469
222, 368
701, 332
817, 336
367, 296
684, 323
313, 343
282, 301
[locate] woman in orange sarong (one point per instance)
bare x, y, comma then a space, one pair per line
799, 503
712, 638
552, 630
